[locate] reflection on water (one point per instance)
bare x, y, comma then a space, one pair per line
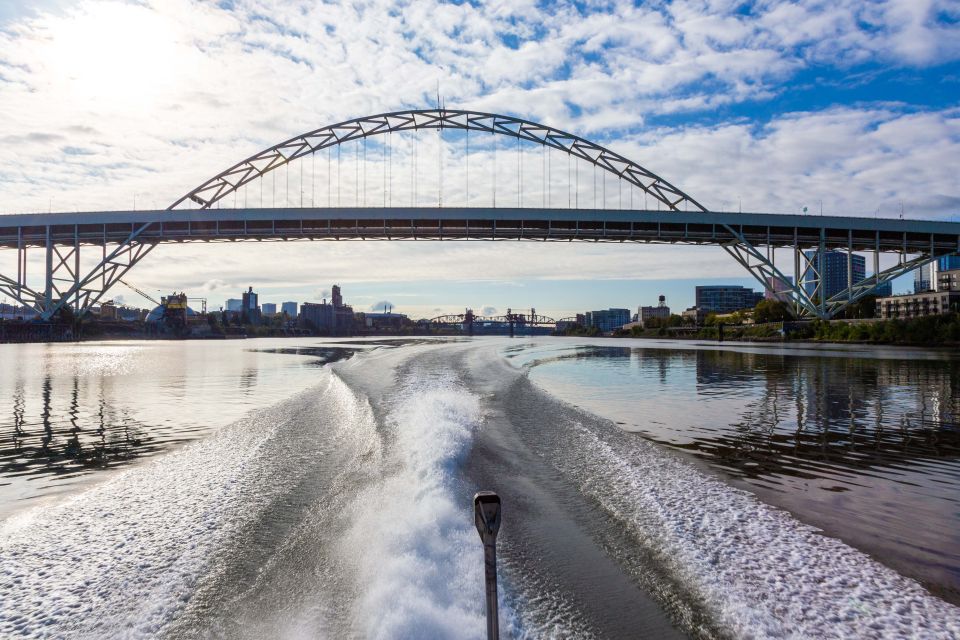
864, 445
67, 410
67, 443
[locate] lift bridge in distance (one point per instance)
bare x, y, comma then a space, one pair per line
449, 174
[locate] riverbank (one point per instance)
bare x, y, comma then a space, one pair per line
929, 331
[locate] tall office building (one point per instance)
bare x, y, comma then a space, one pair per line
832, 266
726, 298
923, 279
268, 309
289, 308
233, 304
250, 311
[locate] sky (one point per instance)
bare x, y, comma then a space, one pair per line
842, 106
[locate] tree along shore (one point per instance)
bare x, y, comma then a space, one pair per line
770, 321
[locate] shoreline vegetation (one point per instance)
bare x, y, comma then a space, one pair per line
771, 321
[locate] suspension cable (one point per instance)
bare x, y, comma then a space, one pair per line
543, 176
521, 170
440, 165
519, 176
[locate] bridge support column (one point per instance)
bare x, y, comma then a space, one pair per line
65, 284
815, 304
17, 289
48, 277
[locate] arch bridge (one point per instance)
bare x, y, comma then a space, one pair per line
85, 254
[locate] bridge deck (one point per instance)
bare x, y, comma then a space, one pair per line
760, 229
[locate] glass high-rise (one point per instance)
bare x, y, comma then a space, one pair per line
832, 267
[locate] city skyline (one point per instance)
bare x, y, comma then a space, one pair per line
848, 109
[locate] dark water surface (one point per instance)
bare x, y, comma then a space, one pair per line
863, 443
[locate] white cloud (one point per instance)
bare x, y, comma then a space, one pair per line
854, 160
93, 116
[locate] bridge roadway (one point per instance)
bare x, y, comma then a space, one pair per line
21, 231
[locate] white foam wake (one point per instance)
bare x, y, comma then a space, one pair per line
122, 559
417, 557
763, 574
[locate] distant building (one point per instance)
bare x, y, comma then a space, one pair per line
128, 314
383, 321
916, 305
660, 312
886, 289
318, 316
233, 304
832, 267
923, 279
15, 312
926, 278
948, 263
289, 308
608, 319
949, 280
108, 311
726, 298
696, 314
778, 289
268, 309
335, 318
250, 309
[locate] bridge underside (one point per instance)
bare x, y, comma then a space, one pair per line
119, 240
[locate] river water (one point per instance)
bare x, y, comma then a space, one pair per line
307, 488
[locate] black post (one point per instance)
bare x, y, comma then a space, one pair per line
720, 332
486, 510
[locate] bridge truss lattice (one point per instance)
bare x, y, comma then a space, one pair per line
122, 244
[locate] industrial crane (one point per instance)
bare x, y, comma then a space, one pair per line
154, 301
141, 292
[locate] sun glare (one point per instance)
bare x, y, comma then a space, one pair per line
113, 53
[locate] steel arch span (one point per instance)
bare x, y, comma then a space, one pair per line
259, 164
122, 239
